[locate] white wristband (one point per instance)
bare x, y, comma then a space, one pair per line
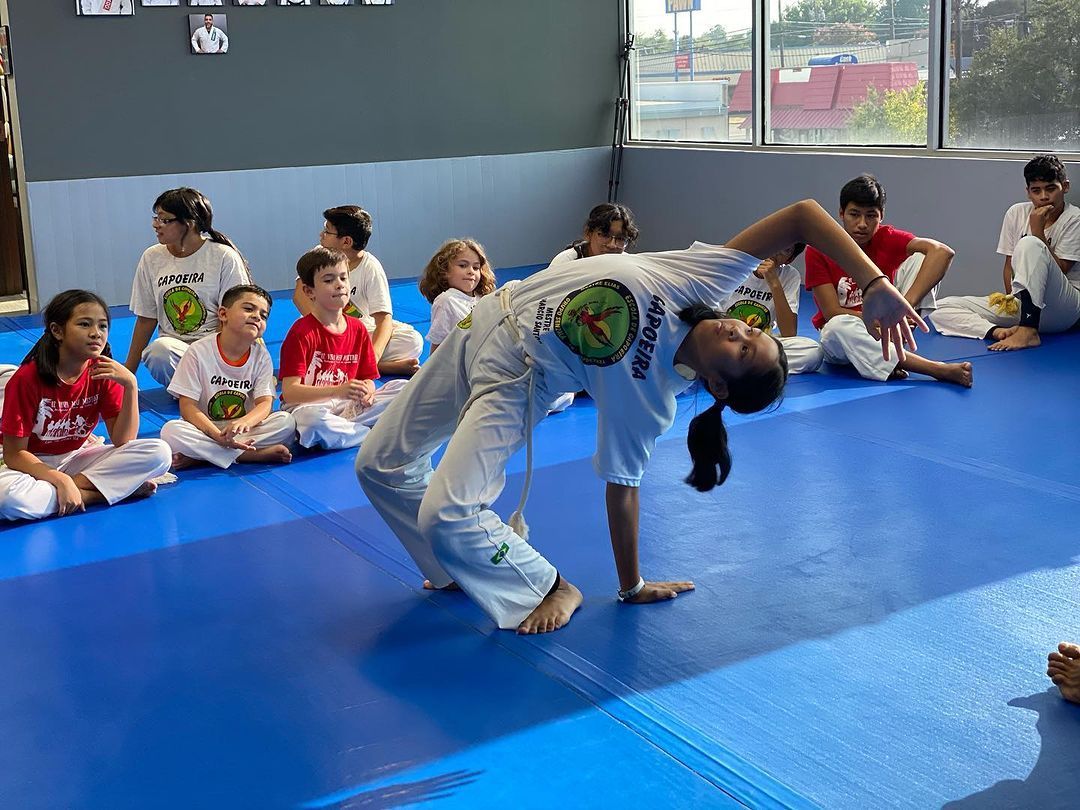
632, 592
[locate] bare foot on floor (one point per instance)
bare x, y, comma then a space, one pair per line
1002, 332
399, 368
898, 374
554, 612
145, 490
182, 462
1063, 667
958, 373
453, 586
274, 454
1021, 337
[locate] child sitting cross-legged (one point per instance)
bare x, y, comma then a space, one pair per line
225, 384
328, 367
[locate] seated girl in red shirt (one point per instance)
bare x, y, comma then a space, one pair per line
51, 406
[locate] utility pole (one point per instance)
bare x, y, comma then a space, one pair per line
780, 31
892, 19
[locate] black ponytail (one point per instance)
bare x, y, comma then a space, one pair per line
191, 205
46, 352
707, 438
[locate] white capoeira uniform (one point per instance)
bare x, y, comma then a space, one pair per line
753, 303
339, 423
1057, 294
212, 41
224, 392
65, 416
606, 324
844, 338
370, 292
183, 296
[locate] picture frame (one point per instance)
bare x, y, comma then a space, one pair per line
208, 40
105, 8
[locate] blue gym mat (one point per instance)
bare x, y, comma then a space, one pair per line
878, 585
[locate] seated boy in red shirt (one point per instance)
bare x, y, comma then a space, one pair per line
328, 367
914, 264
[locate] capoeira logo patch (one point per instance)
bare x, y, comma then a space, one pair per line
598, 323
751, 313
184, 310
466, 322
500, 555
226, 405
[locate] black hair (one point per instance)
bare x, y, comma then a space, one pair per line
191, 206
315, 260
864, 191
707, 437
601, 218
351, 220
1044, 168
795, 251
46, 352
233, 293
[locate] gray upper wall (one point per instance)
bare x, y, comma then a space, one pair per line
307, 86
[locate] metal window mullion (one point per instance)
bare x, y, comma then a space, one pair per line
759, 70
937, 76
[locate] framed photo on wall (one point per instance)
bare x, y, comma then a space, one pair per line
209, 33
204, 2
294, 2
249, 2
161, 2
337, 2
105, 8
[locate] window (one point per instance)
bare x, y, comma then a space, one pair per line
1006, 73
848, 71
688, 57
1014, 75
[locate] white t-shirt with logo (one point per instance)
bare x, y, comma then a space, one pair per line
752, 301
610, 325
447, 310
1063, 236
183, 294
370, 291
568, 255
223, 391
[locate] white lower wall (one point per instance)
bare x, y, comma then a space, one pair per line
523, 208
679, 195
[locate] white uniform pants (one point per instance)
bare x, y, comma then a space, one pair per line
1034, 270
162, 356
339, 423
115, 472
183, 437
804, 355
844, 338
444, 519
405, 343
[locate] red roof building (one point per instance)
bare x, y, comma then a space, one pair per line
802, 107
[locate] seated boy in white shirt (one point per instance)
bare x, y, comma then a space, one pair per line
1040, 240
225, 384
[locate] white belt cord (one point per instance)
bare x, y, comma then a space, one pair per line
517, 519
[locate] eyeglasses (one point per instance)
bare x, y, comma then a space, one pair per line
162, 220
620, 241
329, 233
